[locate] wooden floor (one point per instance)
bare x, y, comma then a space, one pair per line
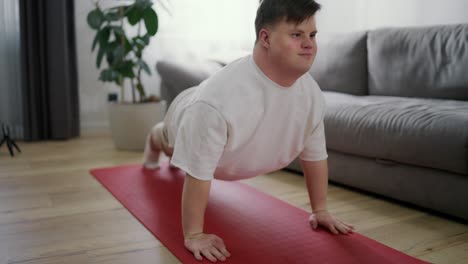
53, 211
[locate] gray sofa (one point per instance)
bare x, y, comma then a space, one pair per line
397, 111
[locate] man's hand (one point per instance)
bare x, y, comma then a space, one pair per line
210, 246
325, 219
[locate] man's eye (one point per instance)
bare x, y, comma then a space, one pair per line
295, 35
312, 35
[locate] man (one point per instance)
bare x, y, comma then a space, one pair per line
254, 116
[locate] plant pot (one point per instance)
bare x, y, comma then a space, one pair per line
131, 123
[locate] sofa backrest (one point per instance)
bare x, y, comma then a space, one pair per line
341, 63
176, 76
430, 62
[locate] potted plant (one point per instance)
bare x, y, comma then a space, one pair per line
129, 120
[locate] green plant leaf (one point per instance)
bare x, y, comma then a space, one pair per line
139, 43
103, 75
138, 53
133, 15
128, 9
117, 8
146, 39
126, 69
95, 41
101, 52
113, 16
110, 52
109, 75
110, 58
128, 46
95, 18
116, 76
119, 53
151, 21
143, 4
118, 31
144, 66
104, 36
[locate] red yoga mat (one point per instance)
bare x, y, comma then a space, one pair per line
256, 227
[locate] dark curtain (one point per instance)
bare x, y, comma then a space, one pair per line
49, 74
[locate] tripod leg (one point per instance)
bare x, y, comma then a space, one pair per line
10, 148
16, 146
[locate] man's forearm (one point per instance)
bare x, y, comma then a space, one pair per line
194, 200
316, 176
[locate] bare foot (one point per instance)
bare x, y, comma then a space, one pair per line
151, 154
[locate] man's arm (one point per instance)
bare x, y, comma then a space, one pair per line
194, 201
316, 176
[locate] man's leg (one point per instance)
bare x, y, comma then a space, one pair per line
156, 141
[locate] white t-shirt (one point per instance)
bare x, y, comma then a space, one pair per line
239, 124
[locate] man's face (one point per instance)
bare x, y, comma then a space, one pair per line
293, 46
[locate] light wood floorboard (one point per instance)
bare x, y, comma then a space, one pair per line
53, 211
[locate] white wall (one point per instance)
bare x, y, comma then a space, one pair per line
219, 28
339, 16
92, 92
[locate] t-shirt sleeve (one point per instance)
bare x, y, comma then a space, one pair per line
315, 148
200, 140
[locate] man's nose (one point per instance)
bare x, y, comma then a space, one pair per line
307, 43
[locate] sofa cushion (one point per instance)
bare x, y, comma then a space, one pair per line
428, 62
425, 132
341, 63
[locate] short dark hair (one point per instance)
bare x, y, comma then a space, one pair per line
272, 11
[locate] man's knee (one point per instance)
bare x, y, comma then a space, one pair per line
160, 138
155, 130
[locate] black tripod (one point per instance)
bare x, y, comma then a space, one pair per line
9, 142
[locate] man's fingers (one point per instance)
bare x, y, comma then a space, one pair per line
347, 225
217, 254
224, 252
197, 255
350, 227
313, 222
222, 248
208, 255
326, 220
332, 229
342, 228
218, 242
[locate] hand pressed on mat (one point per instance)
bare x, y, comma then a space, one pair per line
194, 200
325, 219
316, 177
207, 245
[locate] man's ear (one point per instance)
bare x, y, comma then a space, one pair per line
264, 38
